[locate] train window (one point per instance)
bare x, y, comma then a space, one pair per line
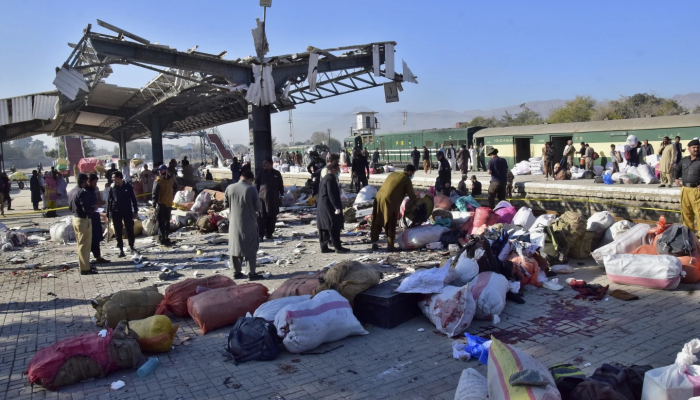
428, 143
461, 142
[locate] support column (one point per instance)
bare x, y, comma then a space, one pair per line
260, 130
122, 146
156, 140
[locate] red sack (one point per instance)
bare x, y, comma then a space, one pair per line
84, 357
691, 266
649, 249
215, 218
483, 216
220, 307
299, 285
442, 202
175, 301
372, 171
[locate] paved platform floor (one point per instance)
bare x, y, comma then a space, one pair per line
401, 363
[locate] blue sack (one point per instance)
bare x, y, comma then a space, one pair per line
475, 347
607, 178
463, 201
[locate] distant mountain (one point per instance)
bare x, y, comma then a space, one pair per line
690, 100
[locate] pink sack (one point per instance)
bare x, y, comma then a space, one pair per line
442, 202
483, 216
505, 214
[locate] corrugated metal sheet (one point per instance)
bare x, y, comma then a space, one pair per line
45, 107
69, 82
4, 112
22, 109
676, 121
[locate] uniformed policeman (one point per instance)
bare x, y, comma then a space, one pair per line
687, 175
81, 202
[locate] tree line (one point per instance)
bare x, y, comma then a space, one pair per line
585, 108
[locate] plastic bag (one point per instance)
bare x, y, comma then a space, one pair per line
367, 193
607, 178
325, 318
426, 281
678, 381
155, 334
464, 201
202, 203
524, 218
450, 311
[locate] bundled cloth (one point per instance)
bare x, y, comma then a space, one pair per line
126, 305
350, 278
302, 284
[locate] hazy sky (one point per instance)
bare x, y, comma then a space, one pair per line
466, 54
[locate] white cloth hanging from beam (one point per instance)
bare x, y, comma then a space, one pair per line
408, 74
389, 61
259, 39
262, 91
375, 59
285, 95
313, 71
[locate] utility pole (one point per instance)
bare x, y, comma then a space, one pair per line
329, 139
291, 129
405, 116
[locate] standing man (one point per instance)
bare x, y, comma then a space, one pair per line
172, 168
329, 220
648, 148
549, 163
187, 174
7, 186
123, 209
569, 154
444, 179
243, 201
480, 158
236, 170
375, 157
164, 189
35, 189
452, 157
96, 221
677, 150
299, 159
359, 169
582, 152
314, 168
271, 188
415, 157
472, 157
81, 202
110, 171
464, 159
387, 204
147, 179
614, 154
498, 169
589, 157
687, 175
666, 162
426, 160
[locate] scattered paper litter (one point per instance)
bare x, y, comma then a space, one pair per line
266, 260
117, 385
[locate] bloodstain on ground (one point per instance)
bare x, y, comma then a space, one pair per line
287, 369
564, 317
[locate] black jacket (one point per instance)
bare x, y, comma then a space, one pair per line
122, 201
360, 165
444, 172
415, 155
426, 155
328, 201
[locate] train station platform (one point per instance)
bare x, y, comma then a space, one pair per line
638, 202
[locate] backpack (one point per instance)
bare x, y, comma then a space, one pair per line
572, 225
555, 247
595, 156
583, 247
676, 241
588, 175
252, 339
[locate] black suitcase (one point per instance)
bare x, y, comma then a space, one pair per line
381, 306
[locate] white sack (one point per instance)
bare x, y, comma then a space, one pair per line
647, 174
460, 217
62, 231
451, 311
652, 271
542, 221
615, 231
416, 238
269, 310
472, 386
673, 382
325, 318
465, 270
489, 292
426, 281
367, 193
201, 203
524, 218
600, 222
627, 242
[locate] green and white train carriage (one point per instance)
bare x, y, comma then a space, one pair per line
518, 143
